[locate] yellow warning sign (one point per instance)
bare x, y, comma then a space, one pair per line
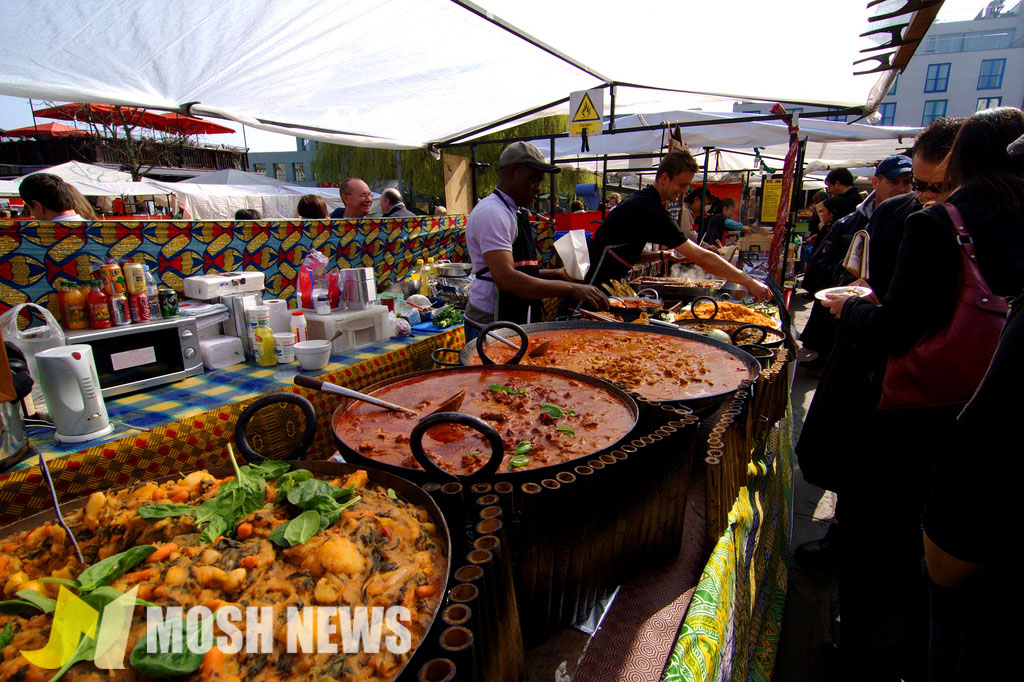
585, 111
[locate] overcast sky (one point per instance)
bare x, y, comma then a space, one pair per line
15, 112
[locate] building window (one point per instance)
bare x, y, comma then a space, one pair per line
989, 102
991, 76
895, 82
888, 112
841, 117
279, 171
933, 109
937, 79
300, 171
259, 168
795, 110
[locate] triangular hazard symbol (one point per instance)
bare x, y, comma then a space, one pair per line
586, 110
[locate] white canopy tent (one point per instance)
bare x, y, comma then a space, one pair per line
219, 202
232, 176
90, 180
830, 144
410, 73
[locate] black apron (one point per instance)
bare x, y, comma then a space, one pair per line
508, 307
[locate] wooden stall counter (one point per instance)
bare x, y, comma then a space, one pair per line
186, 425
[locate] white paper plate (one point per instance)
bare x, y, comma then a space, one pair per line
831, 292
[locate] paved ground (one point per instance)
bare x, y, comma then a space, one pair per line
810, 625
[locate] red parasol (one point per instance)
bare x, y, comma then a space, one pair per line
45, 130
101, 113
189, 125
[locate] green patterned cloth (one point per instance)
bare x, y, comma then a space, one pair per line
733, 623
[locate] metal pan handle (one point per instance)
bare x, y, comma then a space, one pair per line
479, 425
501, 325
736, 333
436, 354
693, 307
765, 356
640, 294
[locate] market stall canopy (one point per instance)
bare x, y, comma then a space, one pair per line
200, 201
76, 171
231, 176
44, 130
173, 122
409, 73
105, 114
830, 144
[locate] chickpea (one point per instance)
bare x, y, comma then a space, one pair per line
176, 575
211, 556
234, 580
14, 583
340, 555
326, 591
210, 576
96, 503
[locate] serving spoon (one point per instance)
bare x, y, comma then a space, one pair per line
450, 405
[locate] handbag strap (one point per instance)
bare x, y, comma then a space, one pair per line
985, 298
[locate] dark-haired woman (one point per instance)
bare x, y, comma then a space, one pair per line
312, 207
882, 593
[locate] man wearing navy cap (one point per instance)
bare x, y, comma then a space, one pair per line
892, 178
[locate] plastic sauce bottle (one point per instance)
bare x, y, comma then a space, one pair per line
74, 306
429, 270
298, 324
152, 292
415, 274
264, 337
99, 307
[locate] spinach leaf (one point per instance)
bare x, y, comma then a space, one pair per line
566, 430
45, 604
277, 535
269, 469
302, 527
73, 584
309, 494
235, 500
292, 479
85, 651
165, 511
6, 636
166, 664
19, 607
553, 411
522, 447
505, 389
518, 461
107, 594
113, 567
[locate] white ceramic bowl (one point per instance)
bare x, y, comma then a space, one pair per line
313, 354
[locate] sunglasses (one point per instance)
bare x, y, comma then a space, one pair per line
919, 186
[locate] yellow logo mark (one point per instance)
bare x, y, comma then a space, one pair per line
73, 618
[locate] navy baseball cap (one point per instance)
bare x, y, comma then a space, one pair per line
894, 166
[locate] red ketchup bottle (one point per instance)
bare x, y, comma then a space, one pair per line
333, 290
99, 307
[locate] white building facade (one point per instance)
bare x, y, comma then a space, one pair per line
962, 67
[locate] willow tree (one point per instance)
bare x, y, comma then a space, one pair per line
420, 174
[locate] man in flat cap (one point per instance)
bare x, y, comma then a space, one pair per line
509, 281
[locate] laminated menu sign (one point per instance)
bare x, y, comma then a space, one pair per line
771, 197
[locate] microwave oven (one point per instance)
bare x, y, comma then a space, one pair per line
137, 356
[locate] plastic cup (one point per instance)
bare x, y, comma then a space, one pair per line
284, 347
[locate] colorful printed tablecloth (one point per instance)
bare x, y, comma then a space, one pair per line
198, 441
732, 626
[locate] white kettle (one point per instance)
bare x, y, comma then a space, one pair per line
72, 392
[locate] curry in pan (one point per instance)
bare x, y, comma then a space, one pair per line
543, 418
657, 366
302, 541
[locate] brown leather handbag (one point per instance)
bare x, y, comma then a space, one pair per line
944, 369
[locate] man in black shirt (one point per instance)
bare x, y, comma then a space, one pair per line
619, 242
839, 183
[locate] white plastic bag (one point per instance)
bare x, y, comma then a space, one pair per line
572, 249
31, 340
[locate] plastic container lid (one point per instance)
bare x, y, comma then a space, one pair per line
259, 312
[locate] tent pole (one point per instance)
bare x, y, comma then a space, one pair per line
611, 116
553, 196
704, 191
472, 176
604, 189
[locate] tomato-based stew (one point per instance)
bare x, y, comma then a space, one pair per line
657, 366
543, 418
